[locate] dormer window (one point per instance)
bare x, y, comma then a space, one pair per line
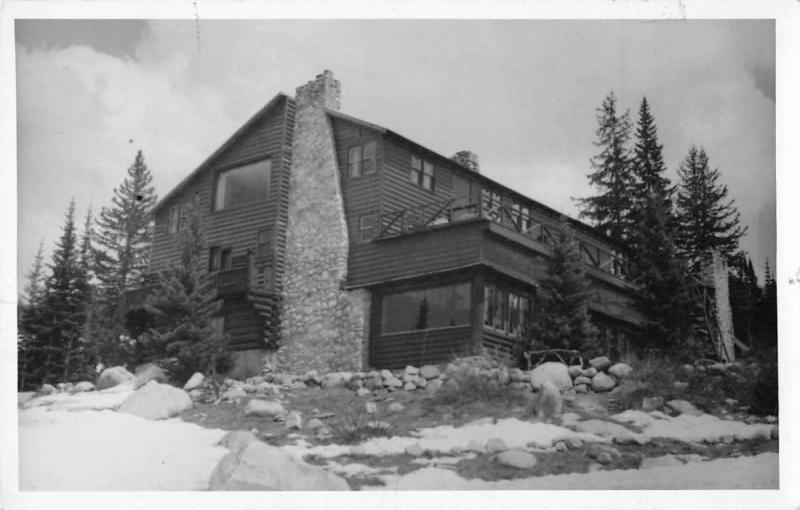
242, 185
361, 159
421, 173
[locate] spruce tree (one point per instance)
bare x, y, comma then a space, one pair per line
57, 327
708, 220
648, 161
610, 210
769, 310
666, 300
562, 317
185, 300
121, 258
27, 314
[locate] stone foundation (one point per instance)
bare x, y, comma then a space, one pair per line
323, 326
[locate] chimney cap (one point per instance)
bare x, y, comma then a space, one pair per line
323, 91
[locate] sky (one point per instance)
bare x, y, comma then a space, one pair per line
522, 94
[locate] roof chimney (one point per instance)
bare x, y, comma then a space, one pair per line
323, 92
468, 160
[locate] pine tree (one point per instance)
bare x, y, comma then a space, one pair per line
769, 310
125, 231
708, 220
562, 315
57, 326
121, 257
666, 301
648, 161
610, 210
185, 300
27, 314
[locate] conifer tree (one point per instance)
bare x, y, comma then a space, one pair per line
27, 314
769, 310
610, 210
57, 326
562, 315
648, 161
708, 220
186, 300
121, 257
666, 300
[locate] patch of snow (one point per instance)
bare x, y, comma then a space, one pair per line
757, 472
106, 450
692, 428
356, 469
446, 438
110, 398
445, 460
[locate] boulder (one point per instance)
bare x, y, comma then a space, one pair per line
395, 407
434, 385
683, 407
265, 387
603, 453
113, 376
411, 370
233, 394
554, 372
386, 374
581, 388
561, 446
315, 424
263, 408
23, 397
573, 443
652, 404
257, 466
620, 370
82, 387
363, 392
517, 458
495, 445
293, 421
582, 379
680, 385
373, 383
236, 439
717, 368
156, 401
602, 382
503, 376
600, 363
518, 375
149, 372
589, 372
336, 379
393, 383
408, 377
195, 381
574, 370
475, 446
608, 429
311, 378
409, 386
415, 450
420, 382
47, 389
429, 372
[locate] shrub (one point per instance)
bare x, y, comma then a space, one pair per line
467, 383
355, 428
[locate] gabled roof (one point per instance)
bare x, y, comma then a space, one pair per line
230, 141
584, 227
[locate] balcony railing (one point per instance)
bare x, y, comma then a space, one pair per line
513, 216
232, 281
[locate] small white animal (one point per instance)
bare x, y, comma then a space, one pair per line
548, 401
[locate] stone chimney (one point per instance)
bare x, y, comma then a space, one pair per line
323, 326
324, 91
467, 159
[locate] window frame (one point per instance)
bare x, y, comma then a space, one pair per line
497, 309
174, 219
467, 307
218, 197
425, 173
363, 163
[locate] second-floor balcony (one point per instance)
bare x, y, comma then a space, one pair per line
516, 218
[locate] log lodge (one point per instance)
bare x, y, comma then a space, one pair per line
339, 244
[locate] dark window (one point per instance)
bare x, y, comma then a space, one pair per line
263, 242
421, 173
242, 185
185, 210
506, 310
174, 218
225, 258
361, 159
213, 258
434, 307
370, 226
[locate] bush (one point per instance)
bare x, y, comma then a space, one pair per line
467, 383
355, 428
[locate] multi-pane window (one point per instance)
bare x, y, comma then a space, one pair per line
242, 185
506, 310
421, 173
369, 226
434, 307
361, 159
174, 219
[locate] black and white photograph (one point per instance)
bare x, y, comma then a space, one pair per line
457, 252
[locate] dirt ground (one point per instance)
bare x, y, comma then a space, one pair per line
335, 406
